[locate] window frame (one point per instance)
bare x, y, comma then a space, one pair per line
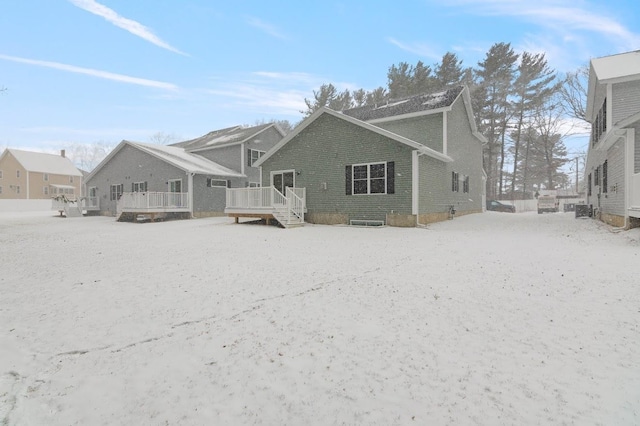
369, 178
18, 174
210, 183
114, 195
0, 174
45, 177
250, 156
139, 186
45, 190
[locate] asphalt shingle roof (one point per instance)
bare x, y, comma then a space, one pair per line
412, 104
226, 136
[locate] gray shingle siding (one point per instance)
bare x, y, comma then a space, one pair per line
426, 130
626, 100
466, 151
320, 154
131, 165
613, 200
636, 156
228, 156
434, 185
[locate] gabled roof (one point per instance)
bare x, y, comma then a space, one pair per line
225, 137
44, 163
410, 105
611, 69
176, 156
324, 110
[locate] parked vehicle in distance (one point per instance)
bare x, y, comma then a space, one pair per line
497, 206
547, 203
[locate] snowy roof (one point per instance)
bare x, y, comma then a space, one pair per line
45, 163
617, 66
184, 160
228, 136
409, 105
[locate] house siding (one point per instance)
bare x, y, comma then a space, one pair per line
466, 151
626, 100
228, 156
131, 165
320, 154
611, 202
9, 165
425, 129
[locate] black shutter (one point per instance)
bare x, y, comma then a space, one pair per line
391, 178
132, 187
347, 179
249, 157
145, 186
228, 184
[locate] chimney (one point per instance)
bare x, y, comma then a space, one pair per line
62, 153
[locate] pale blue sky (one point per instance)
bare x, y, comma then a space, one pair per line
83, 71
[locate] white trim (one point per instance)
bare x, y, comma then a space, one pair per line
28, 185
445, 138
411, 115
225, 181
190, 191
324, 110
415, 183
225, 145
243, 158
353, 178
281, 172
629, 172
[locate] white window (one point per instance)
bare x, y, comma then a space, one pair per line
0, 174
254, 155
217, 183
45, 177
139, 187
18, 189
116, 192
0, 190
17, 173
175, 185
70, 179
253, 184
369, 178
45, 190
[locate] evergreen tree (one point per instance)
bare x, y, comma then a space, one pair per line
321, 98
449, 72
359, 97
377, 96
495, 76
533, 86
422, 80
400, 80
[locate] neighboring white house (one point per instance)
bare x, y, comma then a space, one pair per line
612, 172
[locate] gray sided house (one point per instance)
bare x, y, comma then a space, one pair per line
187, 179
612, 171
237, 148
404, 163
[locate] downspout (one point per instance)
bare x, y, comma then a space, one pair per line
243, 160
444, 133
28, 189
415, 187
630, 142
190, 193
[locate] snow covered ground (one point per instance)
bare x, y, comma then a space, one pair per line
487, 319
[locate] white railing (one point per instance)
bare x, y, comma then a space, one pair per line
249, 198
267, 199
296, 202
153, 200
90, 203
635, 190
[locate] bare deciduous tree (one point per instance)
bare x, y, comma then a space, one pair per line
163, 138
573, 93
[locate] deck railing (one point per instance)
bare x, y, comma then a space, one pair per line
153, 201
90, 203
250, 198
296, 202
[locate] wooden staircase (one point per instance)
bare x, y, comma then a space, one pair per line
286, 217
